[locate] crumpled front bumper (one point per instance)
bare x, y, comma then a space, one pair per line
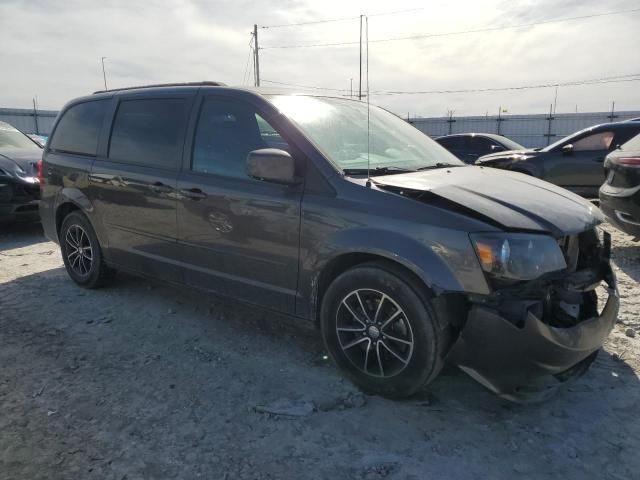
527, 363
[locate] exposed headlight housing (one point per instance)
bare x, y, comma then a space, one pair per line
517, 256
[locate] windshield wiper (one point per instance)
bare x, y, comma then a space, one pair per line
377, 170
439, 165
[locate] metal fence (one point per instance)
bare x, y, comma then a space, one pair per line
528, 130
29, 120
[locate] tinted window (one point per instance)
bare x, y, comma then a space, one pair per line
456, 143
597, 141
79, 128
149, 132
225, 135
481, 144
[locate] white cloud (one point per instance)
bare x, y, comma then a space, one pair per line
52, 49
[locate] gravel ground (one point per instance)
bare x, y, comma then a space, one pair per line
140, 380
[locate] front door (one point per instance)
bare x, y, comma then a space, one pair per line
581, 169
239, 235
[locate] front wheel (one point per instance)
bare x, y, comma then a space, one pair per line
81, 252
380, 330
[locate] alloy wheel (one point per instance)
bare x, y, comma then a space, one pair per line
79, 251
374, 333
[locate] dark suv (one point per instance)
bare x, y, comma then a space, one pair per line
267, 199
574, 162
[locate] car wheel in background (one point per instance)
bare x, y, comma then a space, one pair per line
81, 252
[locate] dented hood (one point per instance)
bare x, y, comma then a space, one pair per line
511, 200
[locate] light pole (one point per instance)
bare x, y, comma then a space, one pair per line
104, 75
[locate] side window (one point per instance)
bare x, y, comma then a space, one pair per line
456, 143
597, 141
481, 145
226, 133
149, 132
79, 128
269, 136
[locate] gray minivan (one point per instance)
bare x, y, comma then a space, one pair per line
338, 213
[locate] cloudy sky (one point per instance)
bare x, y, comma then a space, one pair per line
52, 49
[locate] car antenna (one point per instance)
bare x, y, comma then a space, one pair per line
366, 19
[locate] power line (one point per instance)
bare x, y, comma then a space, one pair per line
342, 19
309, 87
462, 32
247, 70
631, 77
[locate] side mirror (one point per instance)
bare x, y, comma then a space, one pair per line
272, 165
567, 149
497, 148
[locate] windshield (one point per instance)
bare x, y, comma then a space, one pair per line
339, 128
12, 138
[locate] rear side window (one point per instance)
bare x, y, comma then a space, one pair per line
149, 132
79, 128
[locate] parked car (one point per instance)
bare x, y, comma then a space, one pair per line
41, 140
468, 147
575, 162
620, 194
315, 207
19, 189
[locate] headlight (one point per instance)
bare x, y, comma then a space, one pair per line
517, 256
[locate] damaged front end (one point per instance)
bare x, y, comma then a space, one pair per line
526, 338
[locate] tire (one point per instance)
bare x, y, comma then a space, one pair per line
363, 347
87, 269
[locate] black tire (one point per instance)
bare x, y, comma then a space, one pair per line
77, 230
416, 365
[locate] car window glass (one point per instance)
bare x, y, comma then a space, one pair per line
149, 132
225, 135
456, 143
79, 128
269, 136
632, 145
597, 141
480, 144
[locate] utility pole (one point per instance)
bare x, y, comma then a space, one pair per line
104, 75
351, 96
35, 116
257, 55
360, 80
555, 100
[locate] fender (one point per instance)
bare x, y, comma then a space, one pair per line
74, 196
449, 265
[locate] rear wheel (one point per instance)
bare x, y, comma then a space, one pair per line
381, 332
81, 252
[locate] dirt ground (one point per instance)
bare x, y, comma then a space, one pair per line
140, 380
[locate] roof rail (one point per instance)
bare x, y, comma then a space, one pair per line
184, 84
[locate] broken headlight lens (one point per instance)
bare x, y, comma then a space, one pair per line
517, 256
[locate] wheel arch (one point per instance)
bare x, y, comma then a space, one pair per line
73, 199
340, 263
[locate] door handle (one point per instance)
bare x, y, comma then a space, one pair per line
193, 193
160, 187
